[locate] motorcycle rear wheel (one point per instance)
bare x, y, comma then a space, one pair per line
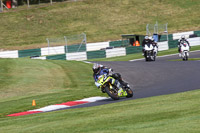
112, 93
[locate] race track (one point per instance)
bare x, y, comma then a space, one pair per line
161, 77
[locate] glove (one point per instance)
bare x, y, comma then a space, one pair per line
97, 84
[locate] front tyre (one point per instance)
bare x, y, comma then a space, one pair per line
186, 56
113, 93
129, 93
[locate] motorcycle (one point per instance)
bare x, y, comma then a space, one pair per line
184, 48
106, 83
150, 52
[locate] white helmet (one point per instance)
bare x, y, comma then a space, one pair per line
146, 37
182, 37
96, 67
151, 38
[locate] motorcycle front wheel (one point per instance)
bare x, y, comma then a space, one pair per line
113, 93
129, 93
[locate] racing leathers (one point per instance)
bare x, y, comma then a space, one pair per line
145, 41
118, 82
182, 41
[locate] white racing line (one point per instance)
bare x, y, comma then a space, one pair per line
163, 56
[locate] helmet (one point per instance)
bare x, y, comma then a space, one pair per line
146, 37
151, 38
182, 37
96, 68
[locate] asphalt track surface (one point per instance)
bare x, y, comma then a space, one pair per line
160, 77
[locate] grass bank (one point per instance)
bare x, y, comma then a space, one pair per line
101, 20
170, 113
48, 82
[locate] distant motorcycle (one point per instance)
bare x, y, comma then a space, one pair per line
150, 52
184, 47
111, 89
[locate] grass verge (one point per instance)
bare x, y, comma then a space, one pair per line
170, 113
48, 82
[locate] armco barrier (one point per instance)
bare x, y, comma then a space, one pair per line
53, 50
75, 48
163, 46
173, 44
77, 56
29, 52
96, 46
133, 49
56, 57
118, 43
186, 34
194, 41
197, 33
9, 54
115, 52
96, 54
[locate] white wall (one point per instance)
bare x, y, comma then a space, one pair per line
186, 34
53, 50
76, 56
115, 52
163, 46
194, 41
9, 54
96, 46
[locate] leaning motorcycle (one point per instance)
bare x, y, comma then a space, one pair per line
184, 51
105, 82
150, 52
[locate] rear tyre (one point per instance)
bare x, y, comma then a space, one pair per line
129, 93
113, 93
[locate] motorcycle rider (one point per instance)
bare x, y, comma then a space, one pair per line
182, 40
99, 70
145, 41
153, 42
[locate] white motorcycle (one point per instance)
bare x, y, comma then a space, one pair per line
184, 47
150, 52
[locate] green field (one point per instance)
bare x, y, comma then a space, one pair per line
101, 20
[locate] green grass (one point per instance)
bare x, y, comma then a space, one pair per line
48, 82
139, 55
170, 113
101, 20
